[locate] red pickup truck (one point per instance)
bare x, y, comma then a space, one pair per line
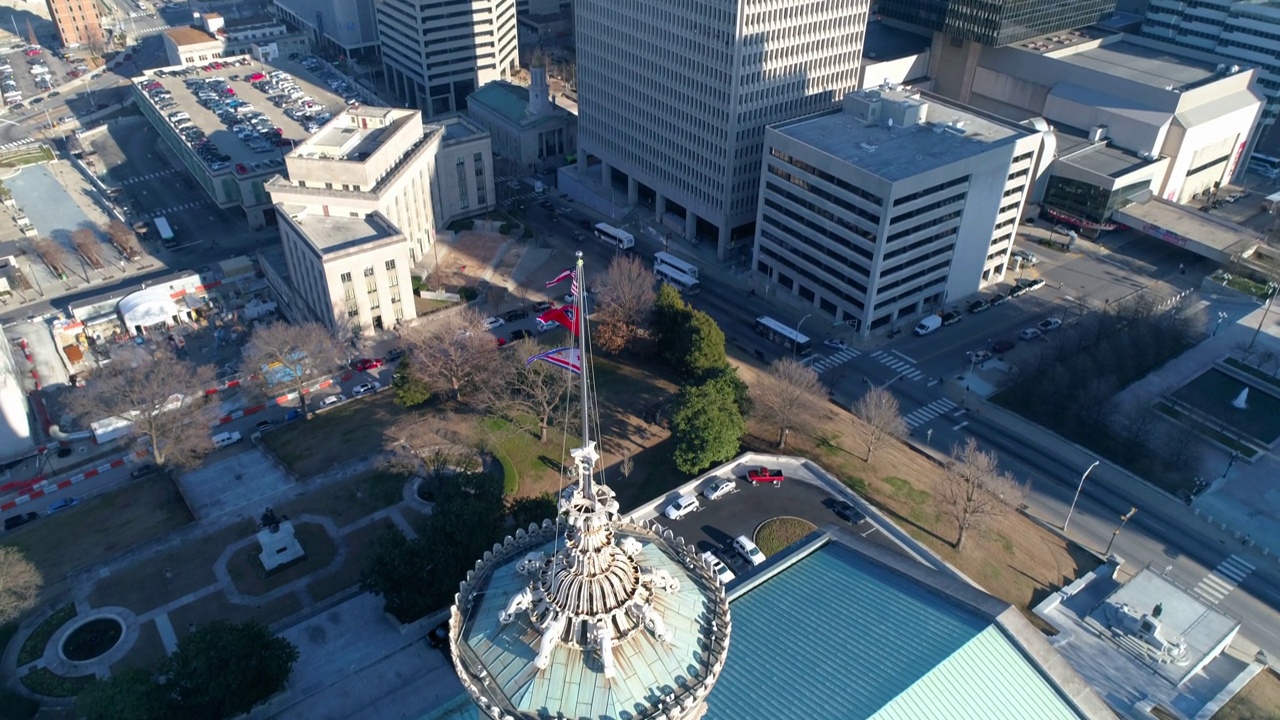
765, 475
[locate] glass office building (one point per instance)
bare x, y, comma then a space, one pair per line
997, 22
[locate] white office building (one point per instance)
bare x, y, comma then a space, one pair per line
346, 27
1243, 33
894, 205
436, 54
674, 96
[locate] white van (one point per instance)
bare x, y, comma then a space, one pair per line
222, 440
928, 325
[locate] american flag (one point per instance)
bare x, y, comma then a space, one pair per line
573, 288
564, 275
568, 358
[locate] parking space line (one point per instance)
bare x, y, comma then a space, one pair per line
957, 427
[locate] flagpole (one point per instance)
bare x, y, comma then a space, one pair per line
578, 318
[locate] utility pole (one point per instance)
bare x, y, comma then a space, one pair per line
1123, 519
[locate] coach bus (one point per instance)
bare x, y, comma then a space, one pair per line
783, 335
682, 282
620, 239
665, 258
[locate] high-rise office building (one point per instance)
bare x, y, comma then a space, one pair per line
674, 96
77, 21
437, 54
996, 23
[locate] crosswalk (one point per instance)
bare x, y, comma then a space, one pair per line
897, 363
1224, 578
179, 208
920, 416
824, 364
149, 176
17, 143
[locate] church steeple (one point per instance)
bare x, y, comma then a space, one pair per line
539, 90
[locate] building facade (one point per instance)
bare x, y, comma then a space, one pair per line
437, 54
526, 126
1243, 33
996, 23
347, 27
263, 38
892, 206
674, 97
78, 22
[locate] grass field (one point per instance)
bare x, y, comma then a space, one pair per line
349, 500
348, 574
218, 607
247, 572
351, 430
776, 534
147, 651
1259, 700
101, 528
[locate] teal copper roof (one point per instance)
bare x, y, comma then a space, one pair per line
836, 635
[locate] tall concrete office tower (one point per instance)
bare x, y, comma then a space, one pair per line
438, 55
674, 96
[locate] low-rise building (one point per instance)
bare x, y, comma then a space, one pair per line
78, 23
360, 204
216, 37
891, 206
525, 124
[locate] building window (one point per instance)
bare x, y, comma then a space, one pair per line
368, 272
391, 265
463, 202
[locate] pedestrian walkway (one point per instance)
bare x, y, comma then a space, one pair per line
148, 176
824, 364
178, 208
17, 143
898, 362
923, 415
1224, 578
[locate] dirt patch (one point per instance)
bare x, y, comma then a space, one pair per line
159, 580
466, 259
333, 437
1259, 700
348, 575
250, 578
352, 499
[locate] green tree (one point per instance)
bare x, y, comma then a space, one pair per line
527, 510
706, 425
670, 315
466, 520
131, 694
410, 389
396, 571
224, 669
728, 375
700, 347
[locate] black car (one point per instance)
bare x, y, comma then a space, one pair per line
1003, 346
514, 315
394, 354
978, 306
142, 471
847, 512
543, 306
20, 520
952, 318
520, 335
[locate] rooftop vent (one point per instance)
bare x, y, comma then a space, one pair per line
869, 147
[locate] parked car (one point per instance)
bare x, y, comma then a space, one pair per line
951, 318
765, 475
394, 354
978, 306
492, 322
1049, 324
520, 335
835, 344
977, 356
546, 325
1003, 346
718, 568
847, 512
1019, 290
1031, 285
332, 400
748, 550
1028, 258
1030, 334
366, 364
264, 425
20, 520
683, 505
543, 306
365, 388
514, 315
62, 504
720, 488
142, 470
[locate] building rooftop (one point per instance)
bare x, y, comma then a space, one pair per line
510, 101
183, 36
945, 133
1186, 226
332, 234
458, 128
1075, 148
884, 42
227, 142
1143, 64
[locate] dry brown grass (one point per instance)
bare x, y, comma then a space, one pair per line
1016, 559
348, 575
218, 607
250, 578
1259, 700
147, 651
467, 258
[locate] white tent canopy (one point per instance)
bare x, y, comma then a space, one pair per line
148, 307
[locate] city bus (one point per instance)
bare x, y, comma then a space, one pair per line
783, 335
165, 232
1265, 165
671, 261
682, 282
620, 239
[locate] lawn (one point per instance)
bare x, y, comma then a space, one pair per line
1259, 700
34, 646
774, 535
348, 574
1243, 367
147, 651
351, 499
101, 528
146, 585
249, 577
349, 431
218, 607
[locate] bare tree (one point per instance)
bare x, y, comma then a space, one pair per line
973, 492
627, 464
53, 255
162, 397
626, 302
528, 392
20, 583
879, 409
284, 356
86, 242
452, 354
125, 239
787, 396
427, 446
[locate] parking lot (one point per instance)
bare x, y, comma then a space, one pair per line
27, 71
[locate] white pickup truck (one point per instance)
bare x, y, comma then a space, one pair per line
222, 440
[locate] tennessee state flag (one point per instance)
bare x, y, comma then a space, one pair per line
566, 316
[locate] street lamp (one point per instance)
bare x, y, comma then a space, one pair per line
794, 344
1123, 519
1077, 497
1235, 455
1221, 316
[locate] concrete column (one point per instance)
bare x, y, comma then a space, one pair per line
722, 242
633, 191
606, 176
659, 206
582, 162
690, 225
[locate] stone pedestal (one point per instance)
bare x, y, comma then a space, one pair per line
279, 546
